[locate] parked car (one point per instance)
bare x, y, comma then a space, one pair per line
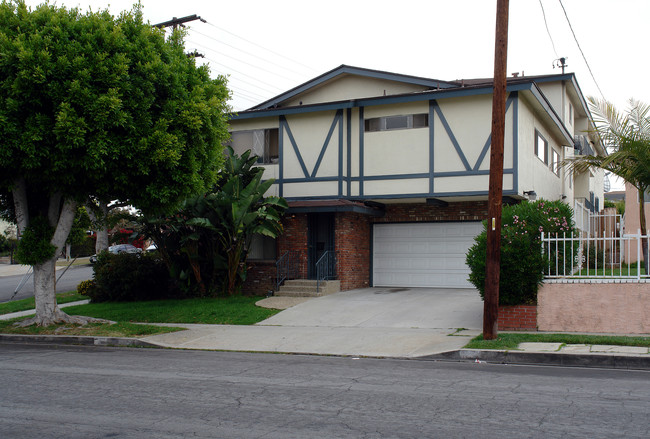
119, 248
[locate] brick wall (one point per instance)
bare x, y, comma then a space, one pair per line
463, 211
294, 238
352, 242
518, 318
260, 278
353, 235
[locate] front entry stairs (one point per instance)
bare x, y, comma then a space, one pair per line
308, 288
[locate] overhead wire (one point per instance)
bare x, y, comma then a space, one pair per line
243, 51
250, 64
547, 30
230, 69
581, 52
262, 47
241, 73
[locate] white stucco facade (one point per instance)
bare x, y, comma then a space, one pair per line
335, 138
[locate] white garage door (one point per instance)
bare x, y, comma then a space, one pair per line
422, 254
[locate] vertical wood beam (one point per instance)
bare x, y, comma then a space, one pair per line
493, 262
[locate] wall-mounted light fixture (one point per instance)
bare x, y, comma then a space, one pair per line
564, 197
532, 195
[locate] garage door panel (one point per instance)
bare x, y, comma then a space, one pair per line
423, 254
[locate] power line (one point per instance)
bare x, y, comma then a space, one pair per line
241, 73
247, 63
243, 51
581, 52
548, 31
262, 47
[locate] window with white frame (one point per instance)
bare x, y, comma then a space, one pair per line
262, 143
401, 122
555, 162
541, 147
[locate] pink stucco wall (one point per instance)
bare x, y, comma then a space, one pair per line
619, 308
632, 223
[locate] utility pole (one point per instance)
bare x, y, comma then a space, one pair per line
175, 22
495, 195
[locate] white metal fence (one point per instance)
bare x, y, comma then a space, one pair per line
591, 257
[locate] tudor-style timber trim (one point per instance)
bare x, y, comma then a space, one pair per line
431, 175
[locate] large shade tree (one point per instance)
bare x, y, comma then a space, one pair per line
627, 135
93, 105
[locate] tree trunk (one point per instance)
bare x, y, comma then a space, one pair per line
47, 311
101, 224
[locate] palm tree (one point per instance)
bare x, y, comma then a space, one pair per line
627, 135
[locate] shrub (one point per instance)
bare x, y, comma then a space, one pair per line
85, 287
522, 260
130, 276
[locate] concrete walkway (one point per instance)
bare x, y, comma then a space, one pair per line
378, 322
420, 323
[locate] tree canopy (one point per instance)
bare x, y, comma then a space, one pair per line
93, 105
105, 106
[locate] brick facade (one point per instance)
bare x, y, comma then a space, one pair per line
462, 211
352, 240
518, 318
260, 278
295, 238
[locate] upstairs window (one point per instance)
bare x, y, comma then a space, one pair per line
541, 147
262, 143
555, 162
401, 122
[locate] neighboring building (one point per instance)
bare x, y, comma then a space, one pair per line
391, 171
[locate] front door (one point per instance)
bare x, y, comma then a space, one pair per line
320, 239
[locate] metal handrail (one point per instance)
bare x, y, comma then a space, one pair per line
285, 267
325, 268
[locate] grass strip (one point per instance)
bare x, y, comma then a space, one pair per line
510, 341
236, 310
26, 304
120, 329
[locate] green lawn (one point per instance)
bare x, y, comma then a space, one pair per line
25, 304
509, 341
237, 310
120, 329
613, 272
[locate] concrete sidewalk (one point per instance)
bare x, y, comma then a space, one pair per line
413, 323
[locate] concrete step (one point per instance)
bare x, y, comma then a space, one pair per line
307, 288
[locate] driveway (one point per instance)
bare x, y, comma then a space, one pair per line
425, 308
383, 322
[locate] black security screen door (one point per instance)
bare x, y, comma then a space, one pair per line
320, 238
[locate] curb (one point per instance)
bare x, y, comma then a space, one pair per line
545, 358
76, 340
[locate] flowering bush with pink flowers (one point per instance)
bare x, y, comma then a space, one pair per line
523, 261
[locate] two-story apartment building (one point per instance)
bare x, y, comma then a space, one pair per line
390, 172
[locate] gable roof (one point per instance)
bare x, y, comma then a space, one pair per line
343, 70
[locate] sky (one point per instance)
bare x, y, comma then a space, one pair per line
267, 47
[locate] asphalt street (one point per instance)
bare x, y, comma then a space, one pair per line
76, 392
68, 282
